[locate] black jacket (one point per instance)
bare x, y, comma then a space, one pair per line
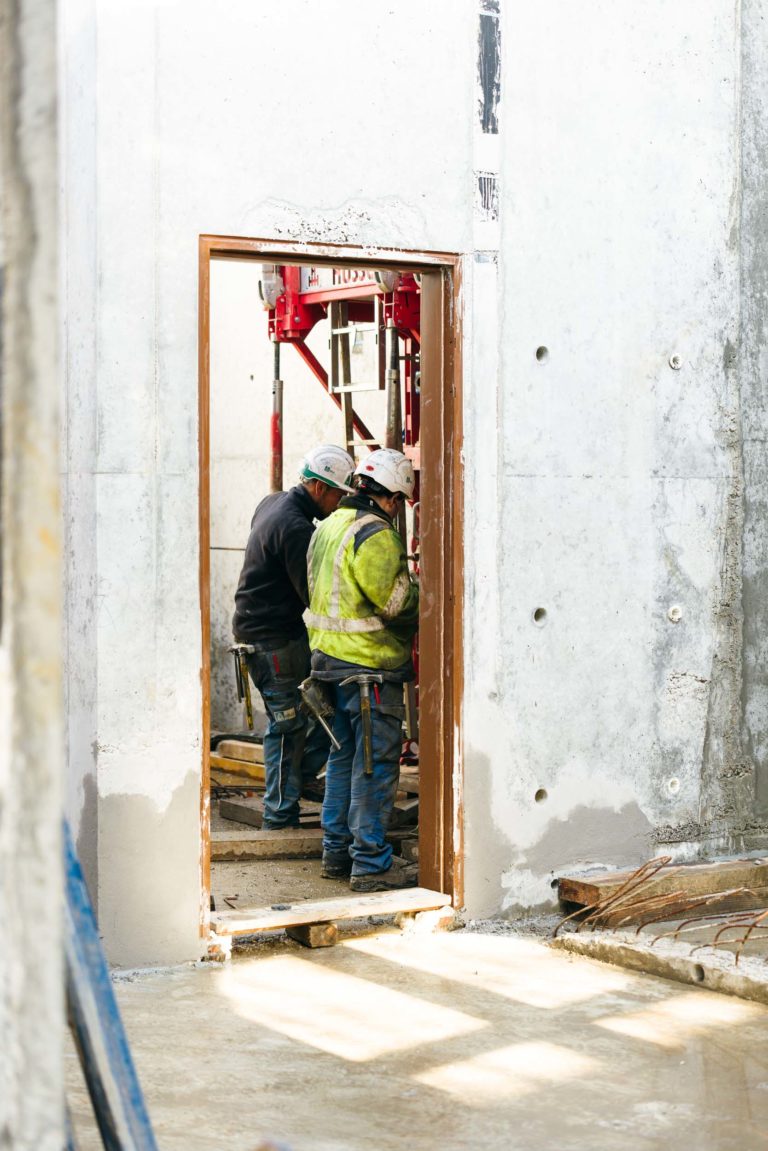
272, 593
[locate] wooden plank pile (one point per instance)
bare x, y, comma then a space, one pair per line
658, 892
239, 765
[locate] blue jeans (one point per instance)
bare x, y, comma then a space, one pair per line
357, 808
295, 747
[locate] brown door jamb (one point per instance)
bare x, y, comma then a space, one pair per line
441, 637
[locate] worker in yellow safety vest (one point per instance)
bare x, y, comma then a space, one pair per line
363, 615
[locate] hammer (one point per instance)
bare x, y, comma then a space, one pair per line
240, 651
364, 682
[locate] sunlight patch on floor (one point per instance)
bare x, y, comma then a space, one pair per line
521, 970
672, 1022
507, 1073
343, 1015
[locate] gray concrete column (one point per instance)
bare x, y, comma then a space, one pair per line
31, 756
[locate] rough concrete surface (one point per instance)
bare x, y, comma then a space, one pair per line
31, 738
262, 883
449, 1041
614, 359
683, 950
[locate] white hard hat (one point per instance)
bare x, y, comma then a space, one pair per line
330, 464
391, 469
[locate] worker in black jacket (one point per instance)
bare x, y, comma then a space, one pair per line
270, 601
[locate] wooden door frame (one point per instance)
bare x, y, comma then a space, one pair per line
442, 566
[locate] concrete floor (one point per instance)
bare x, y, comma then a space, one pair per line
260, 883
460, 1040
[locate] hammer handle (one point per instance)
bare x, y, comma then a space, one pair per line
246, 689
365, 717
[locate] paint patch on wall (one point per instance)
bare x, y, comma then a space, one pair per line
589, 837
592, 835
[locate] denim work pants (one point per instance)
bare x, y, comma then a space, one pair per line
357, 807
295, 747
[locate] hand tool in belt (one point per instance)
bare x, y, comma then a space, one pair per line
314, 693
241, 651
364, 683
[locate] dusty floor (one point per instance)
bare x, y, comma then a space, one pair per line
459, 1040
260, 883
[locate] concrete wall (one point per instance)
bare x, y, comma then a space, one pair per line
604, 181
31, 737
629, 489
204, 123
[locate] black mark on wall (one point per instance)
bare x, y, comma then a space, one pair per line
487, 195
489, 66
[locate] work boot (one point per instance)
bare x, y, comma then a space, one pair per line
399, 874
335, 866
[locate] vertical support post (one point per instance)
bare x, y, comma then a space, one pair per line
393, 436
31, 709
340, 349
276, 427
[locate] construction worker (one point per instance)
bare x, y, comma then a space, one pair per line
363, 615
270, 601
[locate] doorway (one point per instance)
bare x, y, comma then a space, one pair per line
433, 442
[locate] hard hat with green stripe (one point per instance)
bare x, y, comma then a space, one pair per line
330, 464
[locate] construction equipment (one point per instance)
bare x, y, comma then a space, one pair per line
276, 427
385, 302
364, 681
241, 651
318, 702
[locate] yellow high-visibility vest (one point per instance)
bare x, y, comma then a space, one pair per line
364, 607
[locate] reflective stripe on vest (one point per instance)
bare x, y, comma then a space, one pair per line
334, 621
394, 604
339, 623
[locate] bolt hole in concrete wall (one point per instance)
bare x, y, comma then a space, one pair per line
242, 369
540, 616
542, 354
541, 796
698, 973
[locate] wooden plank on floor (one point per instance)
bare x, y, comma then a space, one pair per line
409, 783
251, 811
249, 920
239, 749
293, 843
238, 767
693, 878
225, 779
